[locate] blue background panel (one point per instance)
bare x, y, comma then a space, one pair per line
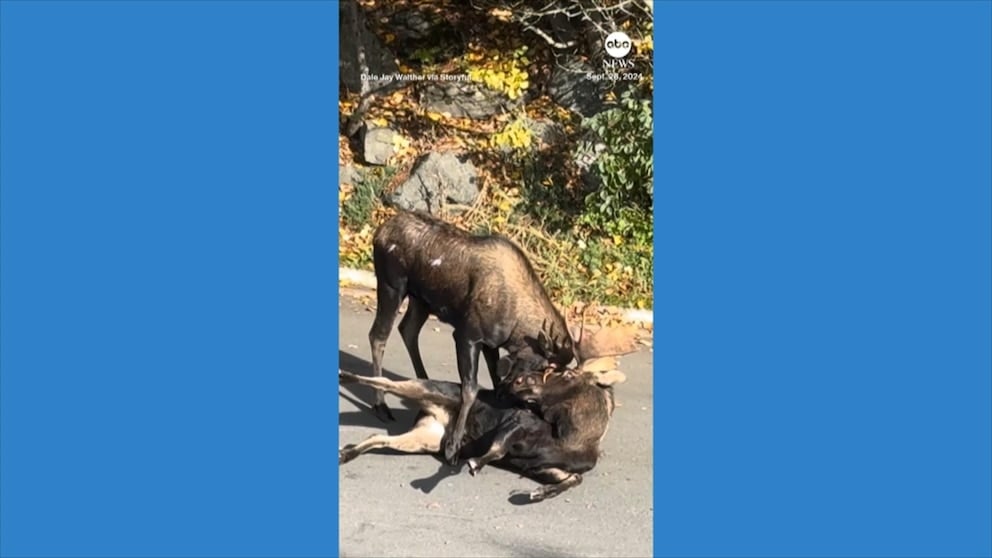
168, 323
823, 279
168, 259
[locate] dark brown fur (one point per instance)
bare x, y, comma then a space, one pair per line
554, 450
483, 286
577, 407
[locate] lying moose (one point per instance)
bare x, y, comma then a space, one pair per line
544, 422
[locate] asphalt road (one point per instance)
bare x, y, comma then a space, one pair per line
395, 504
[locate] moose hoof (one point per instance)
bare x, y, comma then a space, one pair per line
382, 412
346, 454
451, 450
521, 496
538, 495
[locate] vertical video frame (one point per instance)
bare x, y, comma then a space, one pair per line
496, 253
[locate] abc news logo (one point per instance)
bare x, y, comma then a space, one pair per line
618, 45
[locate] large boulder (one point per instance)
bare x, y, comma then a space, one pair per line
437, 178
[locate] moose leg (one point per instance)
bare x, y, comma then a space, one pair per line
467, 352
425, 437
496, 451
509, 433
426, 393
388, 301
557, 481
491, 354
410, 326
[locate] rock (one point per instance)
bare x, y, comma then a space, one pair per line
412, 24
465, 100
435, 179
377, 144
549, 132
585, 156
349, 176
570, 88
424, 35
358, 42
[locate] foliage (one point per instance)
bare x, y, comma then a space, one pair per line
365, 198
622, 204
548, 196
514, 136
590, 240
506, 74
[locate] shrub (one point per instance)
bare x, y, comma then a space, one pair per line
622, 203
506, 74
358, 207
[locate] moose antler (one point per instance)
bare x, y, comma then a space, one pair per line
596, 352
609, 378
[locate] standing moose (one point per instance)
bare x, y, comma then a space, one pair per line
482, 285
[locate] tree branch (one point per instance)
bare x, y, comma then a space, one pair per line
547, 38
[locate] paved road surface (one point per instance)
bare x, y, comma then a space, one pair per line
414, 505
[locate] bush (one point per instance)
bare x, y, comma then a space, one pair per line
622, 204
357, 209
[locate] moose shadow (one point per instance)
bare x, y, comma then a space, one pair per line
361, 396
406, 417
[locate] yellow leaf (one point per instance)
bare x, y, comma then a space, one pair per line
501, 14
381, 122
435, 116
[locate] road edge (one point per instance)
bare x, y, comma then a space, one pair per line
349, 277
